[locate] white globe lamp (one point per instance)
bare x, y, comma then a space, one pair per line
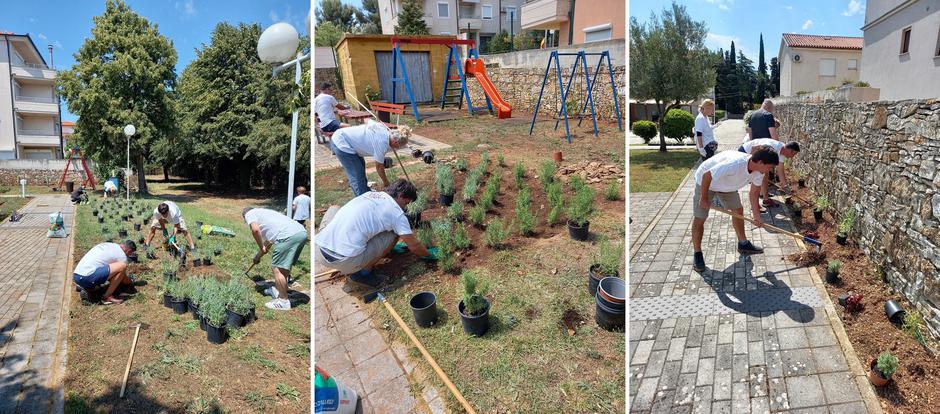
278, 43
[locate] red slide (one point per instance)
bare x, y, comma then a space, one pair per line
474, 69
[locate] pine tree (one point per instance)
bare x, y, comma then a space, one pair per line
761, 73
734, 91
774, 77
411, 19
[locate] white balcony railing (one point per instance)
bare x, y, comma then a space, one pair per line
37, 99
544, 14
33, 71
37, 132
470, 23
31, 65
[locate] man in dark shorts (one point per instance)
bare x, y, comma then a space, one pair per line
762, 123
106, 262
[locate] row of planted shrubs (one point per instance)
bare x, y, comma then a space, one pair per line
677, 124
218, 305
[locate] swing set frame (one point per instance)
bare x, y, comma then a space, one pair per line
555, 58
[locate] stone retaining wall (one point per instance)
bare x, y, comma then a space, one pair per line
520, 88
36, 172
880, 159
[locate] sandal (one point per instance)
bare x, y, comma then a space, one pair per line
111, 300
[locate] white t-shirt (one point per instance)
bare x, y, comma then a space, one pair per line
768, 142
747, 137
729, 172
109, 186
274, 226
174, 213
324, 105
361, 219
703, 125
302, 207
369, 140
102, 254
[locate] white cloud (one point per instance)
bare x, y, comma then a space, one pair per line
57, 44
808, 24
32, 20
854, 7
716, 41
722, 4
187, 8
789, 7
43, 37
274, 16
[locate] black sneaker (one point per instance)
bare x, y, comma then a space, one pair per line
371, 280
747, 247
698, 262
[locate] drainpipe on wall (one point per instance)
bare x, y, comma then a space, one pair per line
457, 18
571, 23
16, 146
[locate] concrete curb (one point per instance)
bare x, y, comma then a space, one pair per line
60, 363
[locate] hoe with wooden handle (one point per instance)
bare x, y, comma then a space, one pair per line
799, 236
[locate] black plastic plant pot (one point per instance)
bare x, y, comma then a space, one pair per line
197, 262
251, 317
217, 252
842, 238
203, 324
817, 214
95, 213
801, 183
608, 317
476, 325
122, 233
832, 277
168, 300
100, 220
216, 334
428, 157
579, 233
125, 218
424, 307
207, 262
843, 299
199, 226
179, 306
234, 319
193, 309
413, 219
133, 259
388, 162
894, 312
614, 291
594, 278
170, 276
446, 199
136, 227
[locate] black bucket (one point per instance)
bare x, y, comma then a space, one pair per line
168, 300
446, 199
608, 317
179, 307
216, 334
233, 319
594, 277
578, 233
424, 307
475, 325
894, 312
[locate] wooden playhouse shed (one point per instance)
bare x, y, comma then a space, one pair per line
366, 61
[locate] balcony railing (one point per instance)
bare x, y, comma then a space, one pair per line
31, 65
37, 132
37, 99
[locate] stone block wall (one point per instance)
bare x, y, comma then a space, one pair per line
42, 178
880, 159
520, 88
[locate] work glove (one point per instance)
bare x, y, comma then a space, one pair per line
434, 254
400, 247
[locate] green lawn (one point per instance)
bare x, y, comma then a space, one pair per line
8, 204
654, 171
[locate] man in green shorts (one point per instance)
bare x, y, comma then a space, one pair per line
286, 237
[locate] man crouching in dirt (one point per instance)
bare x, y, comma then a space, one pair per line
104, 263
353, 238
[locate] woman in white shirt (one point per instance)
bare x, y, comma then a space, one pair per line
704, 137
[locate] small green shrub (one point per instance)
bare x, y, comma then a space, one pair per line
834, 266
175, 289
678, 123
238, 296
444, 180
461, 164
455, 211
580, 209
500, 161
527, 219
911, 326
887, 364
470, 187
213, 303
484, 161
497, 233
644, 129
612, 192
576, 183
555, 202
862, 84
477, 214
426, 236
720, 114
518, 171
474, 302
442, 228
419, 204
848, 223
461, 237
608, 256
547, 172
822, 203
488, 198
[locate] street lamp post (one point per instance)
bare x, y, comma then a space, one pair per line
277, 44
129, 131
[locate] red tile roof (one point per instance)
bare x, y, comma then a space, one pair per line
823, 42
68, 123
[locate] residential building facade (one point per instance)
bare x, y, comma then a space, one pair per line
30, 125
901, 54
577, 22
810, 63
479, 20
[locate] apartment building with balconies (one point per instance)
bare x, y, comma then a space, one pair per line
30, 126
577, 21
480, 20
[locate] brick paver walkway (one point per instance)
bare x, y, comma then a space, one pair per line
33, 316
643, 209
350, 348
751, 334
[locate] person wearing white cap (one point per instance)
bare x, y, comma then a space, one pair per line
351, 146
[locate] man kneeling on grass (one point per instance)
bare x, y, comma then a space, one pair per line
106, 262
288, 237
784, 150
353, 238
722, 176
168, 212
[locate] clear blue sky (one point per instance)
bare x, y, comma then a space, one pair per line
188, 23
744, 20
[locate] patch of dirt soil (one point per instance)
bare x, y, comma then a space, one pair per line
913, 388
571, 320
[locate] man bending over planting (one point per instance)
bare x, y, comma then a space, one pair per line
721, 177
351, 146
354, 237
784, 150
106, 262
276, 232
169, 213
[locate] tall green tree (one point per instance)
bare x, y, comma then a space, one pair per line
411, 19
761, 73
124, 74
668, 61
774, 77
342, 15
327, 34
370, 21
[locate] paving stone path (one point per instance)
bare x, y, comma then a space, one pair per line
34, 308
643, 209
349, 347
752, 334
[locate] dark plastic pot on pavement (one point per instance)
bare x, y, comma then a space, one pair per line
233, 319
216, 334
424, 308
446, 199
608, 317
595, 276
475, 325
179, 306
579, 233
894, 312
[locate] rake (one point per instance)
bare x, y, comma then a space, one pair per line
776, 229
